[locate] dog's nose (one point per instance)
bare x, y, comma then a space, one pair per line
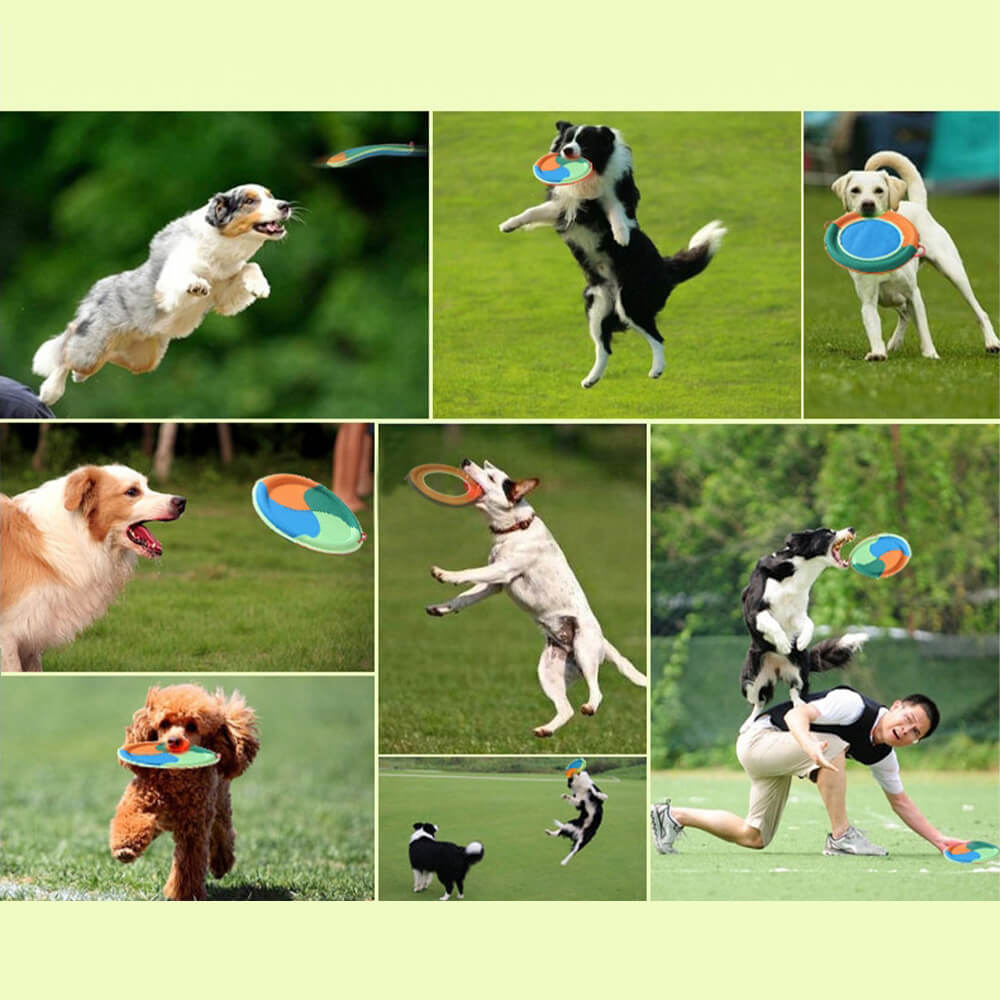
867, 207
284, 207
465, 463
177, 504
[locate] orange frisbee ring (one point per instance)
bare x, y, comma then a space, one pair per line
417, 478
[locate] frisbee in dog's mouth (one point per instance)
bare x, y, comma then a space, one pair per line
143, 539
275, 230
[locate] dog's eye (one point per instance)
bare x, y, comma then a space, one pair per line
250, 199
855, 190
190, 728
879, 190
132, 491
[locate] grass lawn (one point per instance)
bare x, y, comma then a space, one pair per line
963, 804
229, 594
962, 384
508, 814
467, 683
732, 334
303, 811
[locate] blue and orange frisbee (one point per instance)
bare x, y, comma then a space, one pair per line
880, 556
155, 754
971, 851
307, 513
872, 244
555, 170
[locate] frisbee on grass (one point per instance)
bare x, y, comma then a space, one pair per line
554, 170
307, 513
417, 478
873, 244
156, 754
970, 851
880, 556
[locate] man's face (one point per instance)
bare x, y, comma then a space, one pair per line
904, 724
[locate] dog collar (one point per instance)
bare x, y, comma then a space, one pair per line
519, 526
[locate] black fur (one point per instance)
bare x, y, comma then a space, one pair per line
450, 862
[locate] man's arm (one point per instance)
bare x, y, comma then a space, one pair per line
906, 809
798, 720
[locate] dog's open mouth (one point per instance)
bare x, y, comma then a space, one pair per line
273, 229
142, 538
836, 547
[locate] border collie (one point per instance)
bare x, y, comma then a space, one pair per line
450, 862
628, 282
589, 801
775, 609
527, 562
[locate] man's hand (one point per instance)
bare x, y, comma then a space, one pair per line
815, 751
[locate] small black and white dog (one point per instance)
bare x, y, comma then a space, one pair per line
450, 862
628, 282
776, 612
589, 801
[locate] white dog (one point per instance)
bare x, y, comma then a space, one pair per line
527, 562
872, 191
67, 549
197, 263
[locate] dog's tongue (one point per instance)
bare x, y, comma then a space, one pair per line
144, 537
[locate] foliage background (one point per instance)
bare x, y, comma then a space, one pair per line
344, 331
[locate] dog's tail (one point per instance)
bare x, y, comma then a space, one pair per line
624, 665
474, 851
48, 362
832, 654
694, 258
916, 190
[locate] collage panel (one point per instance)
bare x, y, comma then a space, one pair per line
482, 828
778, 648
720, 207
187, 547
281, 256
462, 673
285, 812
886, 194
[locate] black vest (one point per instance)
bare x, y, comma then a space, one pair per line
857, 735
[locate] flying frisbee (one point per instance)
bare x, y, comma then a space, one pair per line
156, 754
970, 851
356, 154
575, 766
555, 170
872, 244
417, 478
880, 556
307, 513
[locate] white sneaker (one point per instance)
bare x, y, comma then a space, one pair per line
665, 828
852, 841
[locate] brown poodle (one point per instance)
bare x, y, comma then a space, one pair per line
193, 804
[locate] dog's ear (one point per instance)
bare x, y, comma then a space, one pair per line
516, 491
562, 126
839, 188
80, 492
237, 742
897, 189
220, 210
141, 729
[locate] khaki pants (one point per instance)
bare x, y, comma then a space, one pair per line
771, 758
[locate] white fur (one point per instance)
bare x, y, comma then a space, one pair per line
529, 565
875, 190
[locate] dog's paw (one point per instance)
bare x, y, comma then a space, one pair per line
589, 381
199, 287
508, 225
541, 732
587, 709
438, 610
931, 354
125, 855
875, 356
993, 347
255, 282
439, 574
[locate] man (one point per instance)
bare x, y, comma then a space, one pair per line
812, 740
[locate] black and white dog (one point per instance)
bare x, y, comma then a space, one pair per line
450, 862
628, 282
776, 612
589, 801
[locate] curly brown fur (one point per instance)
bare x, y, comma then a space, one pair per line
193, 805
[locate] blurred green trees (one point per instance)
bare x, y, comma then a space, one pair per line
723, 496
344, 332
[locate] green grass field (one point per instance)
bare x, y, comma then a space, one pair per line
508, 813
467, 683
228, 593
732, 334
963, 804
304, 811
962, 384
